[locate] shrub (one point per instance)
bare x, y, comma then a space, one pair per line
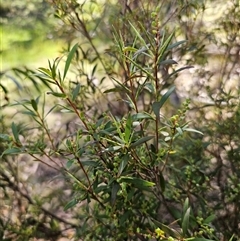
126, 162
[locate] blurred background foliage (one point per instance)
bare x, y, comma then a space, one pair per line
29, 32
205, 169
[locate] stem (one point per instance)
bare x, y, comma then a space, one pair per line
72, 104
83, 169
156, 85
45, 163
46, 129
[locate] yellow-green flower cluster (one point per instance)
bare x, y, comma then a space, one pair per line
160, 234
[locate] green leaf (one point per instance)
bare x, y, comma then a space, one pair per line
168, 61
75, 92
50, 110
149, 87
125, 216
141, 140
53, 67
162, 182
12, 151
164, 47
4, 89
61, 95
112, 149
94, 69
69, 59
102, 188
139, 36
171, 46
185, 221
34, 104
185, 205
178, 70
157, 105
128, 130
144, 70
46, 72
46, 79
140, 116
175, 213
71, 204
65, 109
209, 219
116, 89
231, 239
179, 130
15, 132
115, 188
30, 113
138, 183
69, 163
193, 130
123, 164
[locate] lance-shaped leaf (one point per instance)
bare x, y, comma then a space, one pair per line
141, 116
141, 140
193, 130
171, 46
69, 60
71, 204
185, 205
138, 182
139, 36
178, 70
75, 201
12, 151
112, 149
185, 221
209, 219
115, 188
162, 182
61, 95
46, 72
123, 164
15, 132
157, 105
168, 61
128, 130
164, 47
34, 104
75, 92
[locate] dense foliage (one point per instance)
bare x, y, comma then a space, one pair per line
133, 133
